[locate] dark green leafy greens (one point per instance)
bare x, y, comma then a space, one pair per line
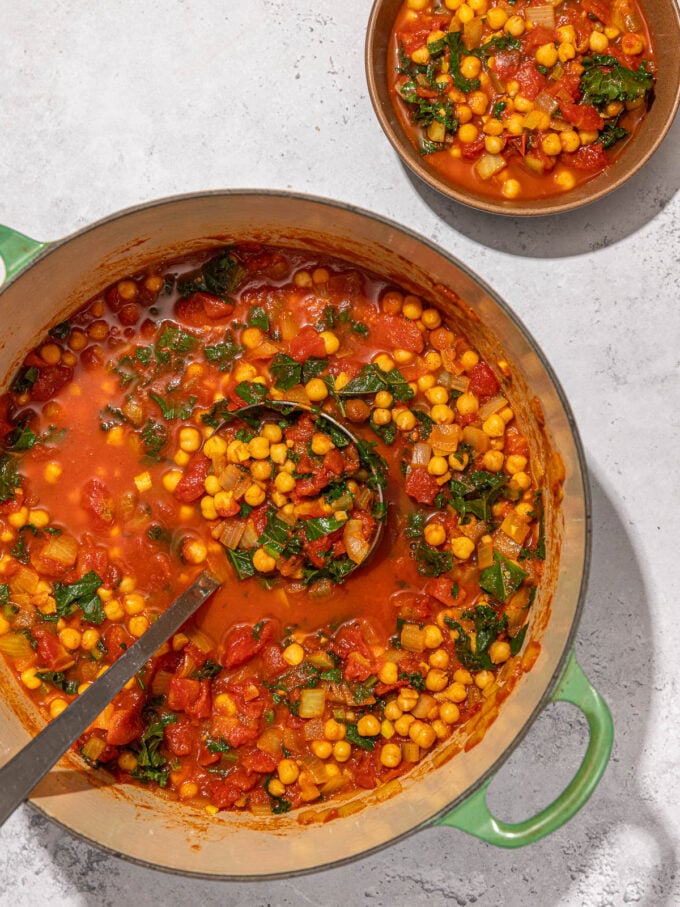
81, 594
219, 276
10, 480
152, 765
502, 578
605, 80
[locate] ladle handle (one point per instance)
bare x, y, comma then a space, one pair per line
17, 250
473, 815
24, 770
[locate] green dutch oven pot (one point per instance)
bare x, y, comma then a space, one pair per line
47, 281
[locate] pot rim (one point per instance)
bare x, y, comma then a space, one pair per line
567, 641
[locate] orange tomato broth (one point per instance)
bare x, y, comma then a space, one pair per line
532, 169
218, 716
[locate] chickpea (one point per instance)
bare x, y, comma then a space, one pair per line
462, 547
467, 404
368, 726
468, 133
288, 771
412, 308
499, 651
316, 390
515, 26
470, 67
435, 534
422, 734
342, 750
546, 55
264, 563
390, 755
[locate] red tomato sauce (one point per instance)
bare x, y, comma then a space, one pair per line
124, 471
528, 100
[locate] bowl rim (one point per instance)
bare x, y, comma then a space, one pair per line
557, 204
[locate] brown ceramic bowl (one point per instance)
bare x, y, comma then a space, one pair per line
663, 17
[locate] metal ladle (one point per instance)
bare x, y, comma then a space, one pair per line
30, 765
289, 407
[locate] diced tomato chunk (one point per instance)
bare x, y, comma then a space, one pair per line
116, 641
590, 158
97, 500
306, 345
582, 116
126, 722
531, 81
421, 486
215, 307
441, 588
192, 484
243, 642
259, 761
52, 654
181, 736
224, 792
483, 382
396, 332
51, 379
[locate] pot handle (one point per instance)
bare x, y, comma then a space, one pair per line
473, 815
17, 250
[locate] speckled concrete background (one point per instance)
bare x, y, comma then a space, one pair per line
106, 105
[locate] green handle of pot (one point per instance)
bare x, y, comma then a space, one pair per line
473, 815
17, 250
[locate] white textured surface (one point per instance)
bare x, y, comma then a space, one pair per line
105, 105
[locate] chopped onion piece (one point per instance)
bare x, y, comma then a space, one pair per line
61, 548
232, 533
546, 102
321, 660
344, 502
412, 638
271, 741
16, 645
200, 639
420, 456
485, 553
364, 499
472, 33
287, 325
476, 438
460, 383
321, 588
488, 164
495, 405
266, 350
410, 751
541, 15
448, 355
353, 538
424, 705
250, 536
445, 438
514, 526
161, 682
93, 748
312, 703
25, 580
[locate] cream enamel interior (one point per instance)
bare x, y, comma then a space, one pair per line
140, 826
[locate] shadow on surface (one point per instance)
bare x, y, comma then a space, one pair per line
443, 866
596, 226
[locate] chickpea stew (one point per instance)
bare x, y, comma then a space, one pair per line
127, 467
521, 100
